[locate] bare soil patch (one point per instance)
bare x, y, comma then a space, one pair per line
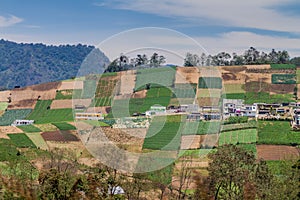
259, 77
104, 109
282, 88
258, 66
207, 101
257, 86
23, 104
70, 85
44, 91
128, 79
83, 102
10, 129
128, 139
60, 136
58, 104
4, 95
190, 142
139, 94
187, 75
234, 69
276, 152
210, 72
234, 78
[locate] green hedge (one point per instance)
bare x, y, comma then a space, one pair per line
283, 66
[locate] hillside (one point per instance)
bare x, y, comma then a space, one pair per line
29, 64
184, 113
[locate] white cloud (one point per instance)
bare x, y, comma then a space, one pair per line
240, 41
250, 14
9, 21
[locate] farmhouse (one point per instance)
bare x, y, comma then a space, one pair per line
22, 122
232, 107
89, 116
249, 110
194, 116
189, 108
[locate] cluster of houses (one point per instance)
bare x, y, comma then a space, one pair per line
194, 112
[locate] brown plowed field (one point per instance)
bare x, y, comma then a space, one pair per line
190, 142
276, 152
282, 88
60, 136
70, 85
187, 75
23, 104
58, 104
4, 95
207, 101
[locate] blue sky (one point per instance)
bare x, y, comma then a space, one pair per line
217, 25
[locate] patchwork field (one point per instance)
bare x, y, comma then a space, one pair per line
201, 128
60, 136
210, 82
211, 93
71, 85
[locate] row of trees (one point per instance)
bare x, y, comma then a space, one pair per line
234, 173
124, 62
250, 57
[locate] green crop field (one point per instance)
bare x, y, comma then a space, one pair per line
184, 91
233, 96
38, 140
158, 92
181, 101
3, 105
284, 78
283, 66
210, 82
21, 140
163, 134
68, 94
277, 132
162, 77
234, 88
104, 101
298, 76
264, 97
63, 126
246, 136
196, 153
105, 88
212, 93
29, 129
230, 127
89, 89
126, 107
11, 115
8, 150
96, 123
201, 128
43, 115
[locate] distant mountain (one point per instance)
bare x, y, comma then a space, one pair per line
28, 64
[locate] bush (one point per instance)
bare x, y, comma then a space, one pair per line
236, 120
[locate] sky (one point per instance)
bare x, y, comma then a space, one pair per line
177, 26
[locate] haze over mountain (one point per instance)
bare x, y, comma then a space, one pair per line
27, 64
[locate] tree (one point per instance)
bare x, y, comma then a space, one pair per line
221, 58
157, 60
251, 56
295, 61
237, 59
191, 60
273, 56
233, 170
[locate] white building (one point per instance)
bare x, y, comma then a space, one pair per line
22, 122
